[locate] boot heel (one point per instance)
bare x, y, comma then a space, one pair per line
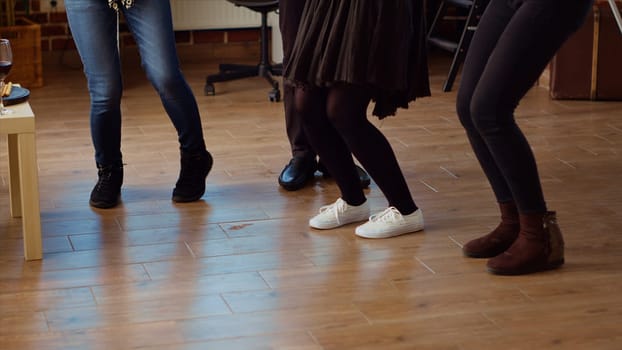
556, 240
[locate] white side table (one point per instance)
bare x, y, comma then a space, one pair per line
23, 175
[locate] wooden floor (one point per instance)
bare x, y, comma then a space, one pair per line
242, 270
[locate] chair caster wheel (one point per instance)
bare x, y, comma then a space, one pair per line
209, 89
274, 95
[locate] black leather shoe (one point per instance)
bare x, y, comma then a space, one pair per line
363, 176
297, 173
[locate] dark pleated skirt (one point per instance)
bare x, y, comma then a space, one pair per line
379, 44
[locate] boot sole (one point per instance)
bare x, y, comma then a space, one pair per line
549, 266
479, 255
178, 199
296, 185
104, 205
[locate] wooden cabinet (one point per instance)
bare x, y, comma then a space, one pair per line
588, 65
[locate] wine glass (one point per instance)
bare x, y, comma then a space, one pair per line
6, 62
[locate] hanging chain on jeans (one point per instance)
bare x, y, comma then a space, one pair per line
115, 3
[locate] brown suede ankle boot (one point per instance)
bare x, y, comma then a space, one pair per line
539, 247
500, 239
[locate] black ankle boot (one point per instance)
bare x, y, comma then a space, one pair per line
191, 183
107, 191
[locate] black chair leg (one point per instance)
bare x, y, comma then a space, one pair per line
459, 48
463, 44
264, 69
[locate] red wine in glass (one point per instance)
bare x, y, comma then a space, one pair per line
6, 62
5, 68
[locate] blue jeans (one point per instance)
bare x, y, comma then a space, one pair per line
513, 43
93, 26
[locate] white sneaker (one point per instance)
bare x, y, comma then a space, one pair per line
338, 214
390, 223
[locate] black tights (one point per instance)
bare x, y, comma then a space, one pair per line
335, 122
514, 41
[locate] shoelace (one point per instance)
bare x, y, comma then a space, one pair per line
391, 214
336, 208
104, 179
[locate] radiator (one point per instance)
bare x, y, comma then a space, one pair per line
202, 14
211, 14
221, 14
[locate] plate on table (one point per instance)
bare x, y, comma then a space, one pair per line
18, 95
